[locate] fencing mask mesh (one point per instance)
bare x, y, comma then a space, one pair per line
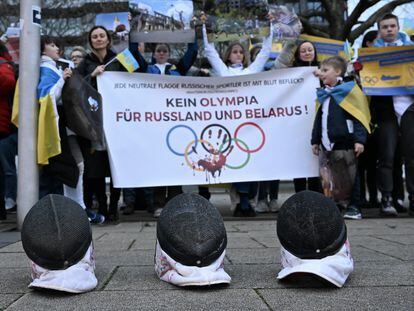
56, 232
310, 226
191, 230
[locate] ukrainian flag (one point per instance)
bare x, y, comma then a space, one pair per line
127, 60
48, 138
349, 96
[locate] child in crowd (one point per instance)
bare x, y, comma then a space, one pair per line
339, 133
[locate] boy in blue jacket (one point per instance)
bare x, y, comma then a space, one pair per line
339, 134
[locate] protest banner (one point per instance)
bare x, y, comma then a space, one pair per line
166, 130
167, 21
387, 70
325, 47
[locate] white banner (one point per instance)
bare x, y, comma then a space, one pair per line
167, 130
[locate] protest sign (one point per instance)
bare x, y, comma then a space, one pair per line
325, 47
165, 130
238, 20
167, 21
118, 27
387, 70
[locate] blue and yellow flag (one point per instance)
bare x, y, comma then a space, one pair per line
349, 96
127, 60
48, 138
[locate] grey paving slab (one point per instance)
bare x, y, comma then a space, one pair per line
136, 279
121, 227
242, 242
12, 248
103, 273
7, 299
13, 260
186, 299
365, 298
115, 241
266, 241
124, 258
369, 240
14, 280
254, 256
256, 226
403, 252
144, 243
9, 237
363, 254
407, 239
382, 274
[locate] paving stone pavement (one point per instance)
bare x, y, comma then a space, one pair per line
383, 250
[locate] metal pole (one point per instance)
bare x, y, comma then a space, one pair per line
28, 174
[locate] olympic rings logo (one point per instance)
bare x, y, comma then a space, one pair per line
371, 80
217, 145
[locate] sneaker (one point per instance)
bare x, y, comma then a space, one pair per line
274, 206
352, 212
95, 218
399, 206
129, 209
262, 206
157, 212
387, 208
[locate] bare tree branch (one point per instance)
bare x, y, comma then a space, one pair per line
362, 6
311, 29
389, 7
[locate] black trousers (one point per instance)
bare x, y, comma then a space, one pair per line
389, 131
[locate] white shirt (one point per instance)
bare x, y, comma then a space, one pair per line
222, 70
325, 138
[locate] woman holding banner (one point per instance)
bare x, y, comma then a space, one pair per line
306, 55
96, 157
161, 66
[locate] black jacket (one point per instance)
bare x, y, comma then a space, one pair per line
338, 132
91, 61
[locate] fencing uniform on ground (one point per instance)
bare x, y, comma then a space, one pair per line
191, 242
57, 238
313, 236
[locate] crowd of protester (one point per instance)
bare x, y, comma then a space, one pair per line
380, 155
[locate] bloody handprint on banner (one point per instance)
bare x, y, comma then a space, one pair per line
211, 152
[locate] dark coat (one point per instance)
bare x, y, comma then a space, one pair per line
338, 132
96, 162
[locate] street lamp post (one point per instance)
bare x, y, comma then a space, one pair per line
28, 174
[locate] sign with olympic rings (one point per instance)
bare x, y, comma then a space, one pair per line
387, 70
164, 130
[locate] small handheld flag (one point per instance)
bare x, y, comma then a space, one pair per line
348, 50
127, 60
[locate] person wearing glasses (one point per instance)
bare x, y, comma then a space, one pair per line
77, 55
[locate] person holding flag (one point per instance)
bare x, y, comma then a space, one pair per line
101, 59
